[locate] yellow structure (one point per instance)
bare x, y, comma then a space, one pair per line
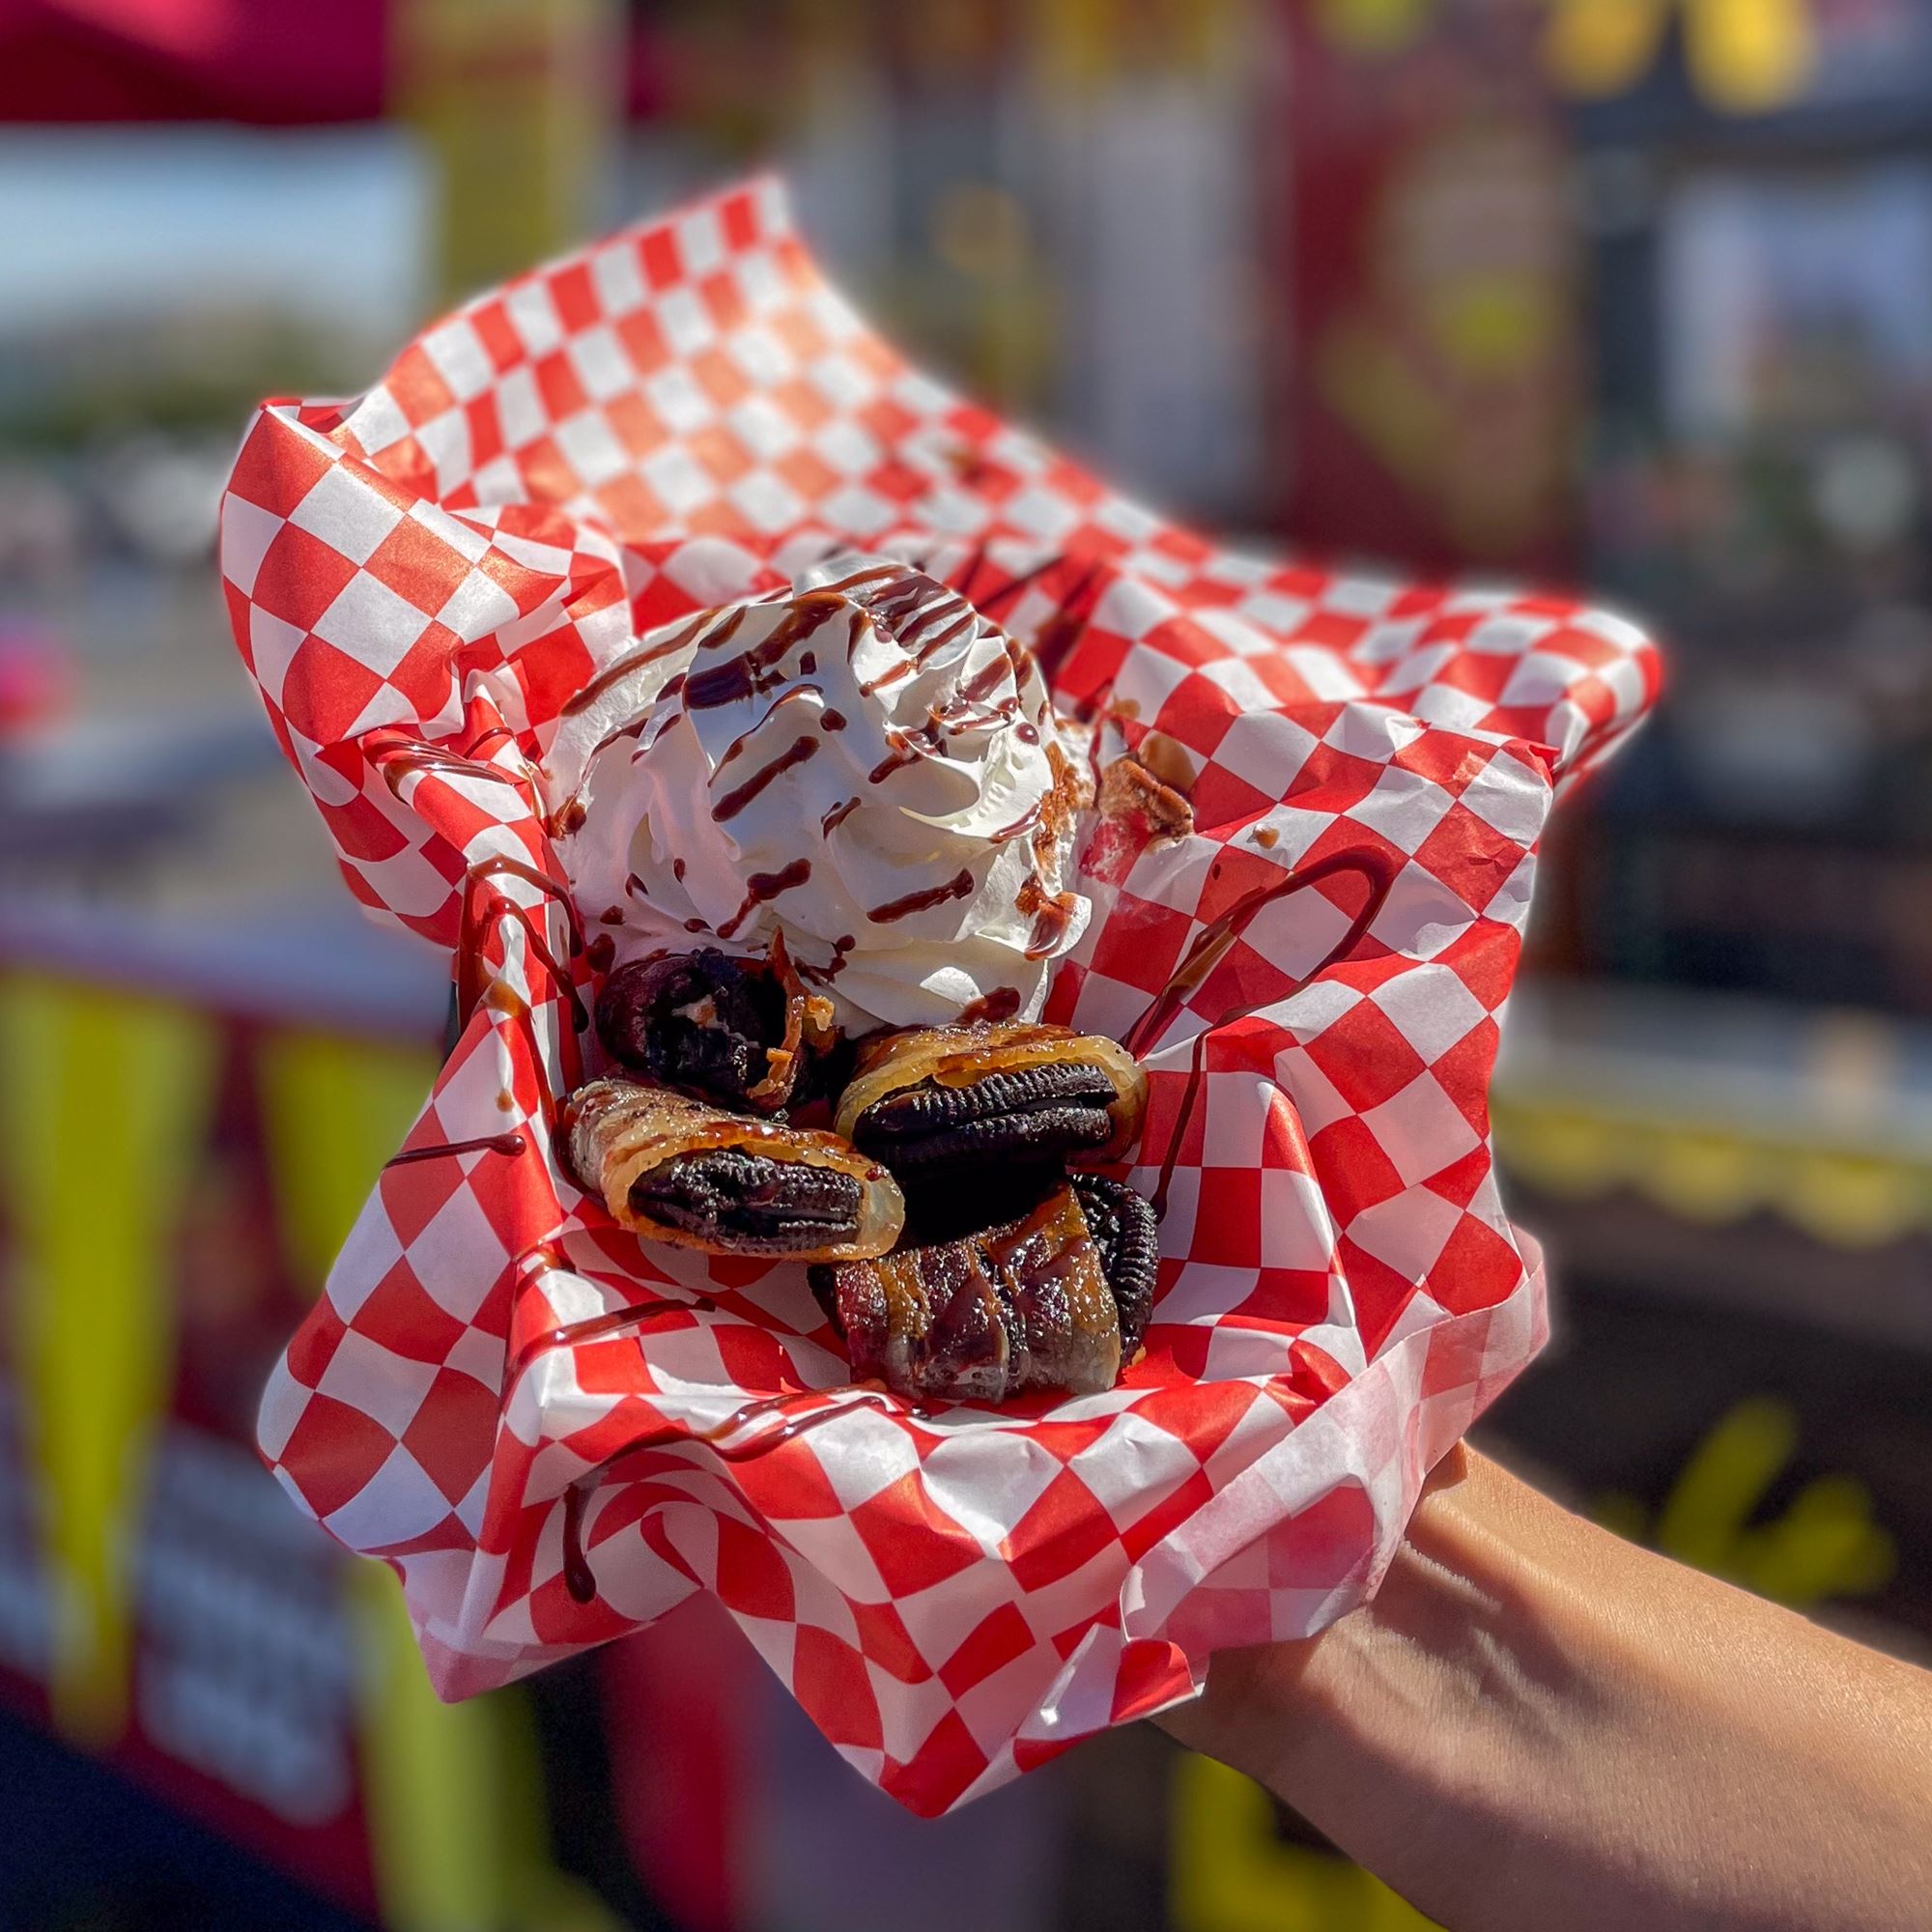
1742, 56
103, 1118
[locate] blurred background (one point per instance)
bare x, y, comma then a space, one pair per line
1628, 293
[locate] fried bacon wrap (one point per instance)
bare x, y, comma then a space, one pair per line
737, 1031
942, 1099
1022, 1306
672, 1168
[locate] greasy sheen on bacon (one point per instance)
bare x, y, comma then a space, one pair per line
1025, 1305
672, 1168
995, 1056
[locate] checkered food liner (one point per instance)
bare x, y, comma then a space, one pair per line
688, 414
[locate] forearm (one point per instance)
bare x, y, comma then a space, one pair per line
1535, 1724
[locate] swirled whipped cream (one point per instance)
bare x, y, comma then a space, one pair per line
861, 763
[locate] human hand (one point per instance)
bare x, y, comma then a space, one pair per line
1536, 1724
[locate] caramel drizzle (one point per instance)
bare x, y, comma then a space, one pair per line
505, 1144
581, 1580
1051, 912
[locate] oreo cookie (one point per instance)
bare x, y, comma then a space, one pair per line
703, 1022
1030, 1114
740, 1202
1128, 1235
677, 1169
981, 1099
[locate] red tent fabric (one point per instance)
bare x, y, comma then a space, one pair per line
263, 63
191, 60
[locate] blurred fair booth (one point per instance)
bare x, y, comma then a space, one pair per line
1619, 291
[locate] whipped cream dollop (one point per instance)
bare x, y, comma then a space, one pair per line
864, 764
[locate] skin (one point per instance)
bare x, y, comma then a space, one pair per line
1534, 1724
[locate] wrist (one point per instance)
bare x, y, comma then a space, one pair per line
1459, 1684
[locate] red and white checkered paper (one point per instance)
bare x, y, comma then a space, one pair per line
684, 415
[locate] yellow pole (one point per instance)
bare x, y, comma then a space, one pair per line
103, 1117
518, 104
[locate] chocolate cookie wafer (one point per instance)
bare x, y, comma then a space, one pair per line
674, 1170
1128, 1233
736, 1031
940, 1099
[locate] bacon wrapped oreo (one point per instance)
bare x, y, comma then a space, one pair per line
1024, 1305
941, 1099
1128, 1235
737, 1031
674, 1170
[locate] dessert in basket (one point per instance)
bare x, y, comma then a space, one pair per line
883, 863
826, 838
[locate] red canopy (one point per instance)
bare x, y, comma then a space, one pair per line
265, 61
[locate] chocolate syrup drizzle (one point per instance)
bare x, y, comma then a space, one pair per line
823, 975
955, 887
510, 1142
1212, 945
756, 669
1001, 1004
735, 801
478, 901
761, 888
599, 1327
396, 763
581, 1580
613, 675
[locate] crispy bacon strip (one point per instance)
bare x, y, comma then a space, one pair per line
672, 1168
1022, 1306
962, 1056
